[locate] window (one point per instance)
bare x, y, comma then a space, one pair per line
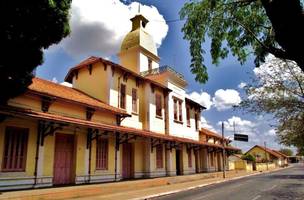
188, 116
158, 102
189, 158
175, 109
159, 156
134, 100
149, 64
123, 96
180, 109
102, 146
196, 121
15, 149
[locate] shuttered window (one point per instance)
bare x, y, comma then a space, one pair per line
175, 109
180, 111
102, 154
188, 116
189, 158
196, 122
134, 100
15, 149
123, 96
159, 156
158, 102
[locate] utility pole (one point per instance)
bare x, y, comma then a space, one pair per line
266, 155
234, 132
224, 152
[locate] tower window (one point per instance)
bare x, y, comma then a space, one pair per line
149, 64
123, 96
134, 100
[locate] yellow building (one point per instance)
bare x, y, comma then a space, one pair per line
116, 121
264, 155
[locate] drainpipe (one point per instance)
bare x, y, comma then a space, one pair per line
37, 154
116, 151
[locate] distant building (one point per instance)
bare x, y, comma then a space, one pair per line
117, 121
263, 154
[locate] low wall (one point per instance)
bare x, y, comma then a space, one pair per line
264, 167
243, 165
231, 165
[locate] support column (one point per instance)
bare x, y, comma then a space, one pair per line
148, 159
170, 159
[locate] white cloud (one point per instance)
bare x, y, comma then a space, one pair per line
202, 98
206, 124
225, 99
54, 80
98, 27
271, 132
242, 85
66, 84
240, 125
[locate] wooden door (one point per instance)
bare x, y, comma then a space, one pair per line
63, 161
127, 158
178, 162
196, 156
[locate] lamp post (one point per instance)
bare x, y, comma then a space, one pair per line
224, 152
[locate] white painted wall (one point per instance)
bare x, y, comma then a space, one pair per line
143, 63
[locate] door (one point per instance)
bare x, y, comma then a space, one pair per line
196, 157
178, 162
63, 161
127, 158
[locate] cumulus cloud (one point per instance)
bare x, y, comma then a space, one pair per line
206, 124
54, 80
66, 84
202, 98
271, 132
242, 85
98, 27
225, 99
240, 125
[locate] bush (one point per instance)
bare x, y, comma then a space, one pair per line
248, 157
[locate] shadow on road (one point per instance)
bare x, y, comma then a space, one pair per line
286, 176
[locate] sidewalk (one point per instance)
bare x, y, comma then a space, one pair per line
135, 189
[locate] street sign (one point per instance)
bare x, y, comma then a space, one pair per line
241, 137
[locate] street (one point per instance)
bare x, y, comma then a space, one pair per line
284, 184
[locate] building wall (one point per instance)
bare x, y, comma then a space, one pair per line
95, 84
181, 129
258, 152
130, 59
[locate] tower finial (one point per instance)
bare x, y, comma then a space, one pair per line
138, 8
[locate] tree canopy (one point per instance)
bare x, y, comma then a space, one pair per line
287, 152
28, 27
242, 28
248, 157
278, 89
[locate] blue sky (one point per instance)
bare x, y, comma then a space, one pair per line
174, 51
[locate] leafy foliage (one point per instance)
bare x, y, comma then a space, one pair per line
278, 89
248, 157
239, 27
287, 152
28, 27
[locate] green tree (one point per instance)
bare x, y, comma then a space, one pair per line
286, 151
243, 27
278, 89
248, 157
27, 27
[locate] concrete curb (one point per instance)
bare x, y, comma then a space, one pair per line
206, 184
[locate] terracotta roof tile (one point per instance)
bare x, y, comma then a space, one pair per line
44, 87
211, 133
270, 151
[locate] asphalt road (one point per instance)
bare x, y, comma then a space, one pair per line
285, 184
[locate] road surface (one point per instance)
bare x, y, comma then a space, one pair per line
286, 184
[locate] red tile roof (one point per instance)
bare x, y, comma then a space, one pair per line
94, 59
27, 113
48, 88
210, 133
278, 152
